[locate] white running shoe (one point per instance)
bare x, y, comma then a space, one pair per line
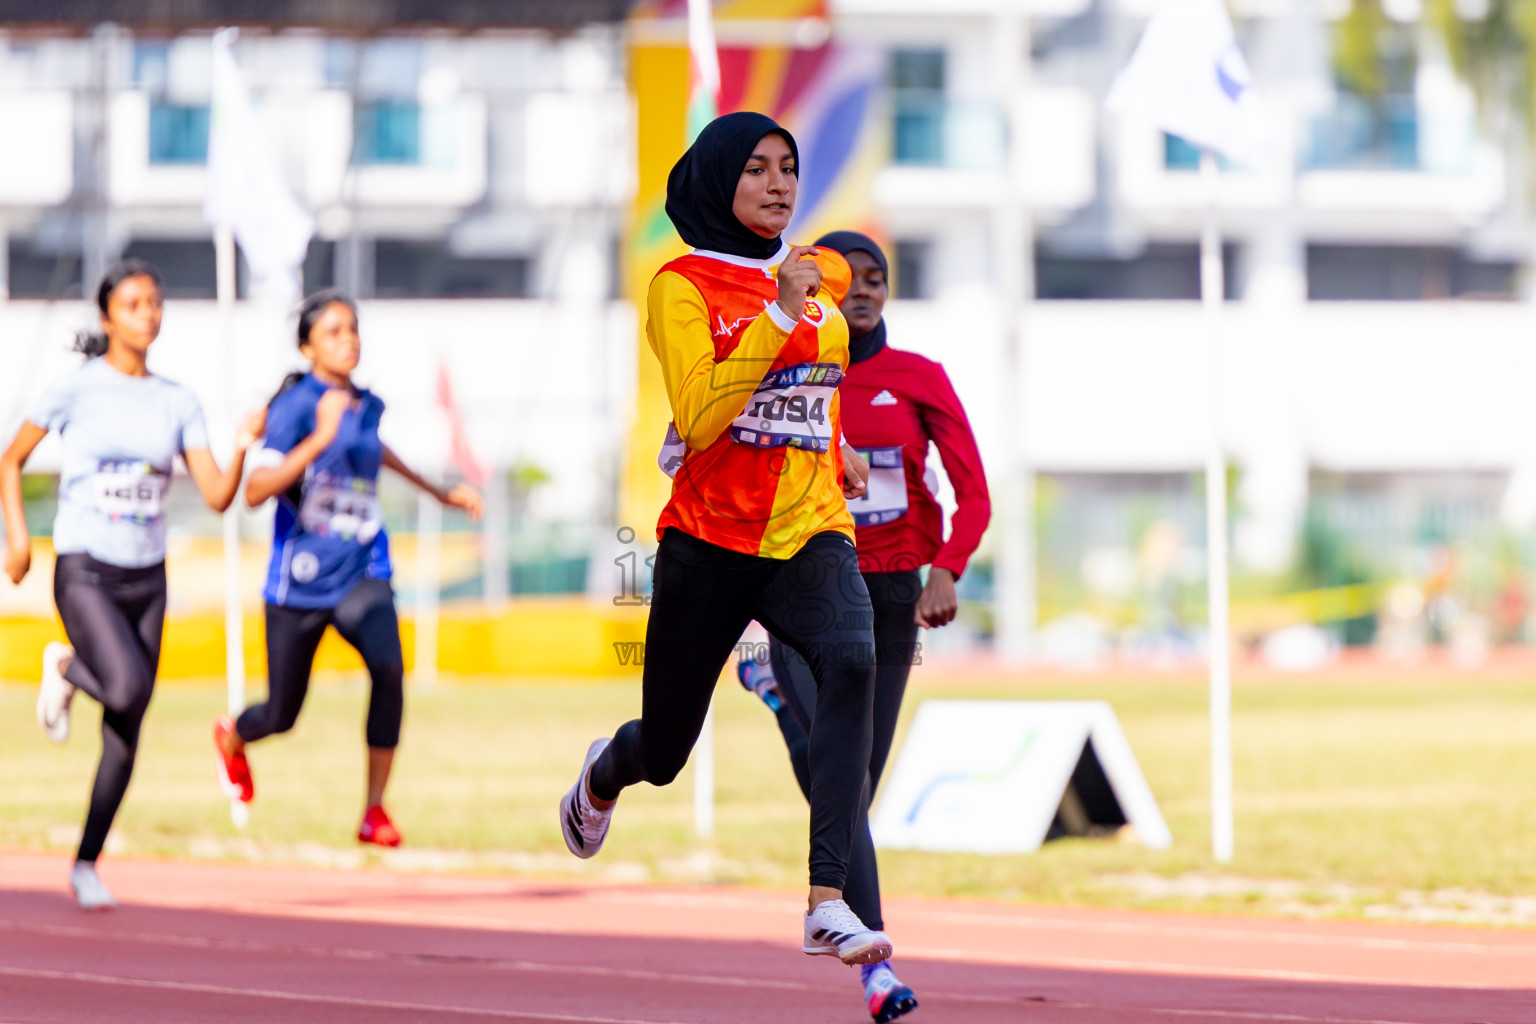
584, 826
55, 693
834, 930
90, 892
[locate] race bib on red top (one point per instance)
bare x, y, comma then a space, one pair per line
792, 408
885, 497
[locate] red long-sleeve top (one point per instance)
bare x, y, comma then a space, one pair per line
897, 398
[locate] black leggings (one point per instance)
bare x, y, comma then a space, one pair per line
894, 597
703, 596
366, 619
114, 618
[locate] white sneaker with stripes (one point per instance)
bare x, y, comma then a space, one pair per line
832, 929
584, 826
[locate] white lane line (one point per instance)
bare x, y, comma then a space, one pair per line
296, 997
726, 980
1029, 919
910, 952
563, 1018
421, 959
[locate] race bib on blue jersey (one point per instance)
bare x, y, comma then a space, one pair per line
885, 497
791, 408
130, 490
345, 507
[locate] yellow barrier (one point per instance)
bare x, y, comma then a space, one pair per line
530, 638
1253, 616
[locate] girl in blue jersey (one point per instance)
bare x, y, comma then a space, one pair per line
330, 558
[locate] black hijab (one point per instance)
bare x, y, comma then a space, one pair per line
702, 186
845, 242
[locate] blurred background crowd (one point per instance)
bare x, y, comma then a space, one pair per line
491, 197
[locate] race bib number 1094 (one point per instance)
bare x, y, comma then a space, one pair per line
791, 408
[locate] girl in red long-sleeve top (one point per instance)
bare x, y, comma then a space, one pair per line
894, 404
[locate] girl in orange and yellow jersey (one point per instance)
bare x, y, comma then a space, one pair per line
752, 349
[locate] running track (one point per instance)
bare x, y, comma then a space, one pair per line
204, 942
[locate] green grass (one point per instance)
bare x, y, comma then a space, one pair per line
1349, 792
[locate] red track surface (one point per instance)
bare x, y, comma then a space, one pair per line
203, 942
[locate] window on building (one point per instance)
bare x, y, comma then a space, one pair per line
1160, 271
178, 134
186, 266
409, 270
913, 277
150, 58
319, 266
917, 84
1375, 123
387, 132
1404, 273
390, 69
38, 273
1179, 155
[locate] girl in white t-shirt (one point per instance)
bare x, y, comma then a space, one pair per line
121, 428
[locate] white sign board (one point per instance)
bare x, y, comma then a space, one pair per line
989, 776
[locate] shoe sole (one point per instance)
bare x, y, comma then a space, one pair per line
902, 1006
873, 953
94, 908
371, 840
58, 731
229, 787
567, 805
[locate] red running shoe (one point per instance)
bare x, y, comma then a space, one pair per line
234, 770
377, 828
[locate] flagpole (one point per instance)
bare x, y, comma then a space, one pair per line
1013, 245
429, 566
234, 618
1212, 287
703, 106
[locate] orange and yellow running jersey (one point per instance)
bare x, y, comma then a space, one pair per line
754, 399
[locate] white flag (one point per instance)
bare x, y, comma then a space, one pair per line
246, 190
1189, 78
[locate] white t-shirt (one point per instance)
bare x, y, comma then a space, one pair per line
120, 436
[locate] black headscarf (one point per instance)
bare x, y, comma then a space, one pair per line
702, 186
845, 242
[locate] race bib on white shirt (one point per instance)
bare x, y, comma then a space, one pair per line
345, 507
792, 408
131, 490
885, 497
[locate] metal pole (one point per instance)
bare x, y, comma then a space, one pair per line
429, 563
1212, 288
704, 776
1013, 255
234, 615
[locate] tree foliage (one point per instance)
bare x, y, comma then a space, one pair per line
1492, 52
